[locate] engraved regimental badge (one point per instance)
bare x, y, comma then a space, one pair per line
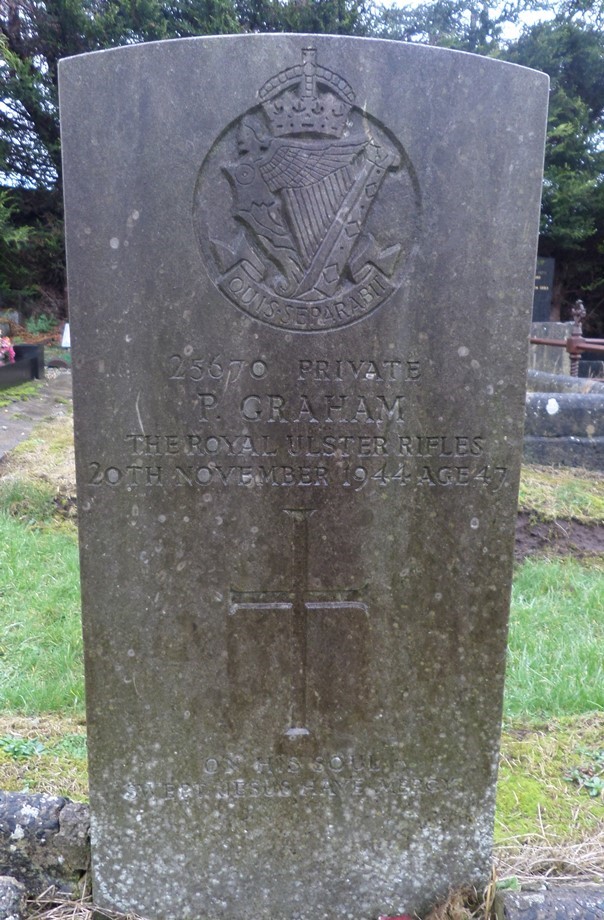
306, 207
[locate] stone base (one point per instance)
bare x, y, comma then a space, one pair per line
577, 452
556, 902
541, 382
565, 429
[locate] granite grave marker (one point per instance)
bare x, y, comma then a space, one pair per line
300, 274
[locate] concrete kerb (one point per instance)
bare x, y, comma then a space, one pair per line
553, 902
564, 421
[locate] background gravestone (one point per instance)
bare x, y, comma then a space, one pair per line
301, 273
544, 284
548, 358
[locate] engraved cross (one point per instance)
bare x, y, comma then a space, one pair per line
300, 602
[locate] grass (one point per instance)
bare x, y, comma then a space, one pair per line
46, 457
565, 493
55, 351
54, 906
555, 658
40, 633
543, 769
44, 754
19, 393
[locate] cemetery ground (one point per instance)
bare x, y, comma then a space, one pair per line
550, 808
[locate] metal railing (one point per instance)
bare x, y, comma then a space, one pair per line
575, 344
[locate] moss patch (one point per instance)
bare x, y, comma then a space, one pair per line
535, 797
19, 393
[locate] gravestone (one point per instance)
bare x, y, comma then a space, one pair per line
552, 359
544, 285
299, 417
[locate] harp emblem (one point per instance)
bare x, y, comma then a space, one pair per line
313, 240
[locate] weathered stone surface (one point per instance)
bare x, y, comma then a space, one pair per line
300, 281
573, 902
542, 382
550, 358
565, 451
44, 841
565, 428
556, 415
13, 898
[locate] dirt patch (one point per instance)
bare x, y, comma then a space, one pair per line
557, 538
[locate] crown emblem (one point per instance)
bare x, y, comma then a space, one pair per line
319, 208
307, 99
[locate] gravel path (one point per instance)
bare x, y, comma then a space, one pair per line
18, 418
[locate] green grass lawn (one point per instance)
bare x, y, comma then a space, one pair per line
40, 635
555, 656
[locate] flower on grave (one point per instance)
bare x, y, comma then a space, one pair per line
7, 352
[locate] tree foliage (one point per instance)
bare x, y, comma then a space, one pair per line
466, 25
572, 216
568, 44
12, 238
36, 34
335, 17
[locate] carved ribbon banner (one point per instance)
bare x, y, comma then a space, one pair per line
318, 205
